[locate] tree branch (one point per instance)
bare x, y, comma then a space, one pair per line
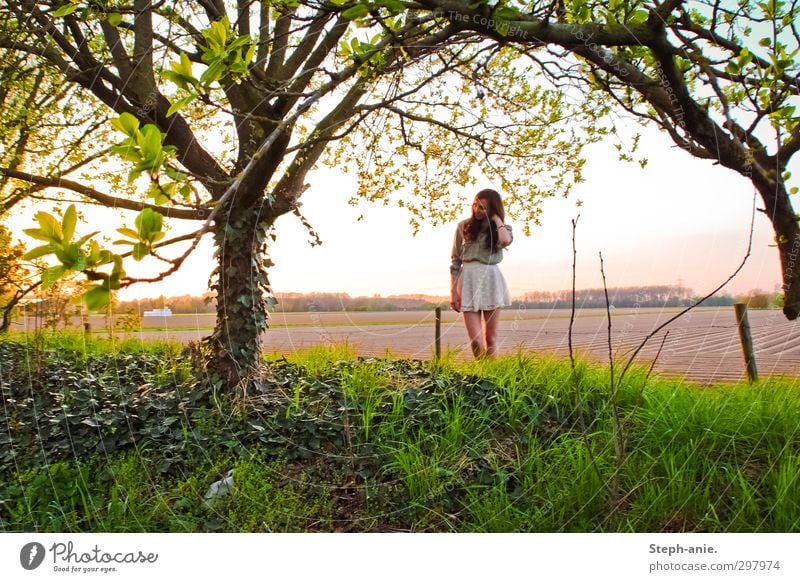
106, 199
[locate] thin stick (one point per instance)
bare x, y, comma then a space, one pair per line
572, 314
608, 315
572, 357
619, 435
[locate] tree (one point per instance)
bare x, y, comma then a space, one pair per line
12, 276
722, 79
221, 109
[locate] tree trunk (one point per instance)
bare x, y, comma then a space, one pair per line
779, 209
242, 292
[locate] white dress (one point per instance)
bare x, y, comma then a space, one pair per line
482, 285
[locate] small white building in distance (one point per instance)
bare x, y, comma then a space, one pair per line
166, 312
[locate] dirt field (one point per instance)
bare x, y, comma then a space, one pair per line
702, 346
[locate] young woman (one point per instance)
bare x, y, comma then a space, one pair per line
476, 284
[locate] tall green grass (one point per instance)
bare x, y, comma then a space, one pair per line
515, 443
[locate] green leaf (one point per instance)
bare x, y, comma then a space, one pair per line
97, 298
185, 65
215, 71
127, 124
49, 226
51, 275
65, 10
185, 191
176, 175
38, 252
81, 241
68, 222
149, 140
180, 104
251, 52
129, 232
148, 223
127, 151
114, 19
355, 12
765, 42
38, 234
71, 257
394, 6
140, 251
506, 13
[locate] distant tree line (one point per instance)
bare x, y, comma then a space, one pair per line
629, 297
292, 302
651, 296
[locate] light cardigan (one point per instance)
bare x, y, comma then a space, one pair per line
478, 250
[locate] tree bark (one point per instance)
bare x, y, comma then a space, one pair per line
242, 290
778, 208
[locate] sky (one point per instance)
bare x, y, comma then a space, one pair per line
680, 220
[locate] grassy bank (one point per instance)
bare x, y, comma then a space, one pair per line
127, 437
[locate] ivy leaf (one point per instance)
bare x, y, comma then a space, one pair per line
114, 19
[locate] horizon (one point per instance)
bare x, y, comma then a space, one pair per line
681, 228
292, 294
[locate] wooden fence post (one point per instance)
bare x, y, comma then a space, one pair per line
438, 333
747, 341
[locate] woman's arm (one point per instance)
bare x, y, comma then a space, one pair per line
503, 231
455, 271
455, 291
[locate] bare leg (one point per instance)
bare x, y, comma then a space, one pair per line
491, 320
472, 319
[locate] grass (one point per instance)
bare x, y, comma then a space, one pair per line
342, 443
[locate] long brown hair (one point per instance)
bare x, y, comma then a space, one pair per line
473, 227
